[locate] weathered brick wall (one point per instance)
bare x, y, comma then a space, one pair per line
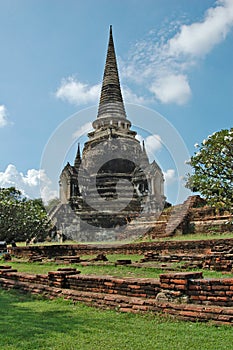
208, 213
209, 220
211, 292
143, 287
184, 295
217, 261
191, 287
169, 247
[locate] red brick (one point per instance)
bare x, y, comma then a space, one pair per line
180, 287
166, 286
192, 314
125, 309
228, 281
220, 287
137, 301
194, 297
109, 284
194, 287
179, 281
164, 280
133, 286
140, 307
229, 293
224, 299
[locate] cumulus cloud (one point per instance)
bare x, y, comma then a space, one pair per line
34, 184
153, 143
83, 130
76, 92
172, 89
162, 62
169, 176
130, 97
198, 39
3, 116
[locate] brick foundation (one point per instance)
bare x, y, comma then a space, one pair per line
186, 296
169, 247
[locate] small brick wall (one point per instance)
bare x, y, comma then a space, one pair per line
143, 287
196, 290
186, 296
169, 247
211, 292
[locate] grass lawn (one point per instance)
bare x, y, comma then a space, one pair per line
184, 237
28, 323
200, 236
112, 270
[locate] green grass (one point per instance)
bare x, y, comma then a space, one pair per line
199, 236
29, 323
111, 270
68, 242
184, 237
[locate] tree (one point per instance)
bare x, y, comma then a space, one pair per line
22, 218
213, 169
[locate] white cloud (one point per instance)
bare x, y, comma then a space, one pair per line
161, 63
169, 176
34, 184
83, 130
172, 89
130, 97
76, 92
199, 38
3, 116
153, 143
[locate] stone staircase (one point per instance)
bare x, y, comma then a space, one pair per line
54, 210
172, 220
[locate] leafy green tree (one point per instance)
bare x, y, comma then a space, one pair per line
22, 219
213, 169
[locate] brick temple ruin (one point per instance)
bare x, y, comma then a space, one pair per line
112, 191
178, 291
112, 182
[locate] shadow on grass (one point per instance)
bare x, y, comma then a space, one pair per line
29, 323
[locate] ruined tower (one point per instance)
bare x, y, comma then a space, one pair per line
112, 181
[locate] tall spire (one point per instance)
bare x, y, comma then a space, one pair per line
111, 101
78, 159
144, 156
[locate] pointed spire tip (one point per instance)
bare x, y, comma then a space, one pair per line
111, 101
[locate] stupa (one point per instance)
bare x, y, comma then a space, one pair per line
111, 182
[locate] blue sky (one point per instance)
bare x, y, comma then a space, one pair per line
175, 59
